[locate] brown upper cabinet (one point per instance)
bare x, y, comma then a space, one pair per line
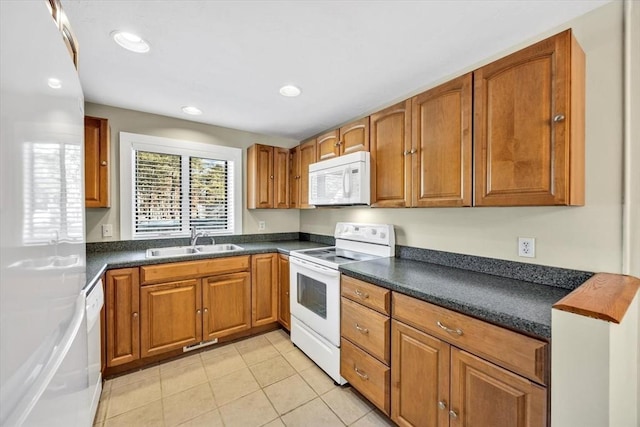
390, 146
441, 151
301, 157
348, 139
529, 126
267, 177
96, 162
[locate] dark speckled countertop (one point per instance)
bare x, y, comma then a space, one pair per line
98, 262
511, 302
515, 304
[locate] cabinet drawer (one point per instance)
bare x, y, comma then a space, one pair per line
367, 328
367, 294
514, 351
366, 374
192, 269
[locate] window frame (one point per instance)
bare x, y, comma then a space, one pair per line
130, 142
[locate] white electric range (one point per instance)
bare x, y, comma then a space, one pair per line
315, 289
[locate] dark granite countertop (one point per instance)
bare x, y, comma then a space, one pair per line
515, 304
510, 302
98, 262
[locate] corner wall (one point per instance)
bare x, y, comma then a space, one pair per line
277, 220
584, 238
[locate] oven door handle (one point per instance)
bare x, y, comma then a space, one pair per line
317, 268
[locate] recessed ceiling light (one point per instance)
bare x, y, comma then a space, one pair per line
290, 90
194, 111
130, 41
54, 83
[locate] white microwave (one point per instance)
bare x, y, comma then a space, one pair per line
342, 181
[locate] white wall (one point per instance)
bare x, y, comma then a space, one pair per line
594, 370
277, 220
586, 238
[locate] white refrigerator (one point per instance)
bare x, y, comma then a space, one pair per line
44, 376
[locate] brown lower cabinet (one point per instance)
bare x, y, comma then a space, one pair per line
445, 368
123, 320
227, 305
437, 384
160, 308
284, 312
264, 289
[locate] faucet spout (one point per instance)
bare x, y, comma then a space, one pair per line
194, 235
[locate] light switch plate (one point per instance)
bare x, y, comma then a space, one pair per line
107, 230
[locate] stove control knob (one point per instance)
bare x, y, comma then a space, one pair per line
383, 235
374, 231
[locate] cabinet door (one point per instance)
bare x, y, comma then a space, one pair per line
391, 156
528, 106
441, 134
483, 394
123, 306
259, 177
354, 137
307, 156
294, 178
284, 313
281, 178
328, 146
226, 302
171, 316
419, 378
96, 162
264, 289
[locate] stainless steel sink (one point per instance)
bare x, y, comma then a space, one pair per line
222, 247
191, 250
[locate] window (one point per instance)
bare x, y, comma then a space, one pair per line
168, 186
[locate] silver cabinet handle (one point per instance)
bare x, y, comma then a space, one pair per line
413, 151
451, 331
406, 152
361, 329
361, 294
103, 163
453, 414
558, 118
198, 311
360, 373
135, 314
442, 404
206, 310
271, 177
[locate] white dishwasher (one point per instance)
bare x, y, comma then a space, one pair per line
95, 301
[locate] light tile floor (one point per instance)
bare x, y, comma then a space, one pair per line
260, 381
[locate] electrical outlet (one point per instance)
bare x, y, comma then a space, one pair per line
107, 230
262, 225
527, 247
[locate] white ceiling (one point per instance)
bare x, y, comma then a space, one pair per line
229, 58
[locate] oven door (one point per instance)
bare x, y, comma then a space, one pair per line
315, 297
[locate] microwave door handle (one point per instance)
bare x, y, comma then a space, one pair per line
346, 182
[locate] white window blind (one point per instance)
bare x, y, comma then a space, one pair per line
158, 193
177, 185
210, 202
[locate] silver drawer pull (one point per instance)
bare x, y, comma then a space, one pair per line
360, 373
361, 329
558, 118
361, 294
451, 331
453, 414
442, 404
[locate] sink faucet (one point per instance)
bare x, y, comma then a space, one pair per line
194, 235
